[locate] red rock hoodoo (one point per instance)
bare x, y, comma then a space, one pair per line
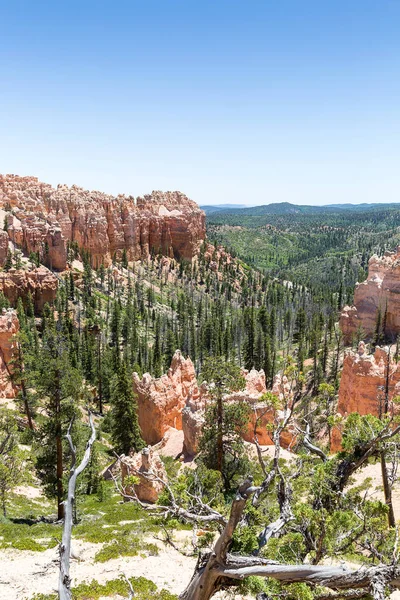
160, 401
176, 400
9, 327
363, 384
380, 292
43, 219
148, 469
41, 283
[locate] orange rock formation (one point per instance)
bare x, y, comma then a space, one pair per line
176, 400
9, 327
41, 283
380, 292
44, 219
363, 385
148, 467
160, 401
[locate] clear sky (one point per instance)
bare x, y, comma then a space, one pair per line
250, 102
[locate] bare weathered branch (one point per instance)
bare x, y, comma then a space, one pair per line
64, 582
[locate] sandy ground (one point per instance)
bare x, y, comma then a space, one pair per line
375, 491
25, 573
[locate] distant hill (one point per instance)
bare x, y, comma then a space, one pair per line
211, 208
286, 208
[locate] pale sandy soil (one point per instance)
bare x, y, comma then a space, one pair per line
375, 491
23, 574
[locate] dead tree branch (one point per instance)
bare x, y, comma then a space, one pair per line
64, 582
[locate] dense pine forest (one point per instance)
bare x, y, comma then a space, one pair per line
325, 248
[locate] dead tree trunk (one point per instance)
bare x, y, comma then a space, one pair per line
64, 582
218, 570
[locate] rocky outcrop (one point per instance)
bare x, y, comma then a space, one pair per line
192, 425
9, 327
161, 401
4, 239
41, 283
363, 384
380, 292
262, 415
43, 219
147, 467
176, 400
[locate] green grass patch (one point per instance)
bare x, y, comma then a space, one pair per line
144, 590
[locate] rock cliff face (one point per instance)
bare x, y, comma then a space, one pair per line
363, 384
160, 401
176, 400
44, 219
3, 246
40, 283
147, 466
9, 327
380, 292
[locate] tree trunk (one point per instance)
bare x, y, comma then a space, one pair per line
23, 390
64, 582
387, 491
59, 473
220, 440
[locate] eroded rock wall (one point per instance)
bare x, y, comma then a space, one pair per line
363, 384
379, 292
9, 327
43, 219
41, 283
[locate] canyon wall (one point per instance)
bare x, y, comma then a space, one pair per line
9, 327
43, 219
41, 283
379, 292
363, 385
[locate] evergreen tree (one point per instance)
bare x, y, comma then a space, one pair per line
60, 385
125, 431
221, 444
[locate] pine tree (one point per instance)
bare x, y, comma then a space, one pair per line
125, 431
60, 384
221, 444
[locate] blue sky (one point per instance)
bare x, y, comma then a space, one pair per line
251, 101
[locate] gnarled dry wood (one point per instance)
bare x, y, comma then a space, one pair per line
64, 582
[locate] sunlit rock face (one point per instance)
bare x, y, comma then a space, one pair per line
44, 219
40, 283
379, 292
363, 385
176, 400
9, 327
161, 400
149, 472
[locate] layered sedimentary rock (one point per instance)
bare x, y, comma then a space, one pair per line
148, 468
363, 384
43, 219
41, 283
160, 401
379, 293
9, 327
4, 239
176, 400
262, 415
